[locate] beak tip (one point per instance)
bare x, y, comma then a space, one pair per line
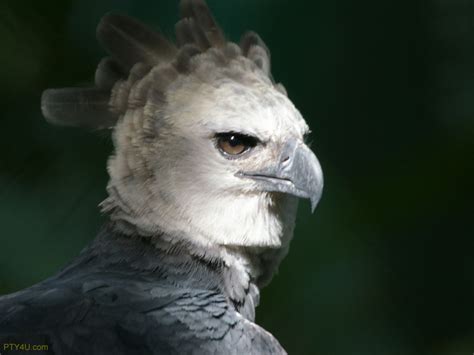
314, 203
316, 197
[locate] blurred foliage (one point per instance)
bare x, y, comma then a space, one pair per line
386, 264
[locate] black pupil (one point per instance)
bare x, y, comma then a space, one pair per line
234, 141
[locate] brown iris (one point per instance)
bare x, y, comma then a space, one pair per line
235, 143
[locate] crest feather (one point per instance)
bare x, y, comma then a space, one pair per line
200, 13
80, 107
131, 42
143, 63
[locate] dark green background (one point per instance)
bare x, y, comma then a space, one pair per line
385, 265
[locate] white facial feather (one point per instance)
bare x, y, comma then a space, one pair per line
179, 183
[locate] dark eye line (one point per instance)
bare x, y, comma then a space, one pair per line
241, 136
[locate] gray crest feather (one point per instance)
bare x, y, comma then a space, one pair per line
131, 42
188, 32
108, 73
158, 80
184, 32
199, 11
256, 50
251, 39
143, 63
183, 60
120, 97
258, 55
281, 89
80, 107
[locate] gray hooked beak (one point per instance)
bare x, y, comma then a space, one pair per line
297, 172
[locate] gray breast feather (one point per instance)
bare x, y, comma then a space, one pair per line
116, 317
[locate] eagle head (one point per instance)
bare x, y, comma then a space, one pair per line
208, 148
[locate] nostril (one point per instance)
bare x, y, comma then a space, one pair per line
285, 159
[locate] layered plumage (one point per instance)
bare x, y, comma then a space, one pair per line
122, 297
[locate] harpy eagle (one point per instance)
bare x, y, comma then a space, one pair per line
209, 162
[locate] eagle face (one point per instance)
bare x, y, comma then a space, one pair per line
227, 159
228, 129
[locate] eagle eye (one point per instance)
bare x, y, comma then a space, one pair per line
233, 144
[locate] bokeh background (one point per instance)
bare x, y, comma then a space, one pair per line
386, 264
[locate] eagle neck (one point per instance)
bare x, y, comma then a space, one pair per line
230, 271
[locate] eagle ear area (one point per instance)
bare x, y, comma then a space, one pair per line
78, 107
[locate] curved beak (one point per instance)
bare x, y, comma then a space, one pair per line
297, 172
